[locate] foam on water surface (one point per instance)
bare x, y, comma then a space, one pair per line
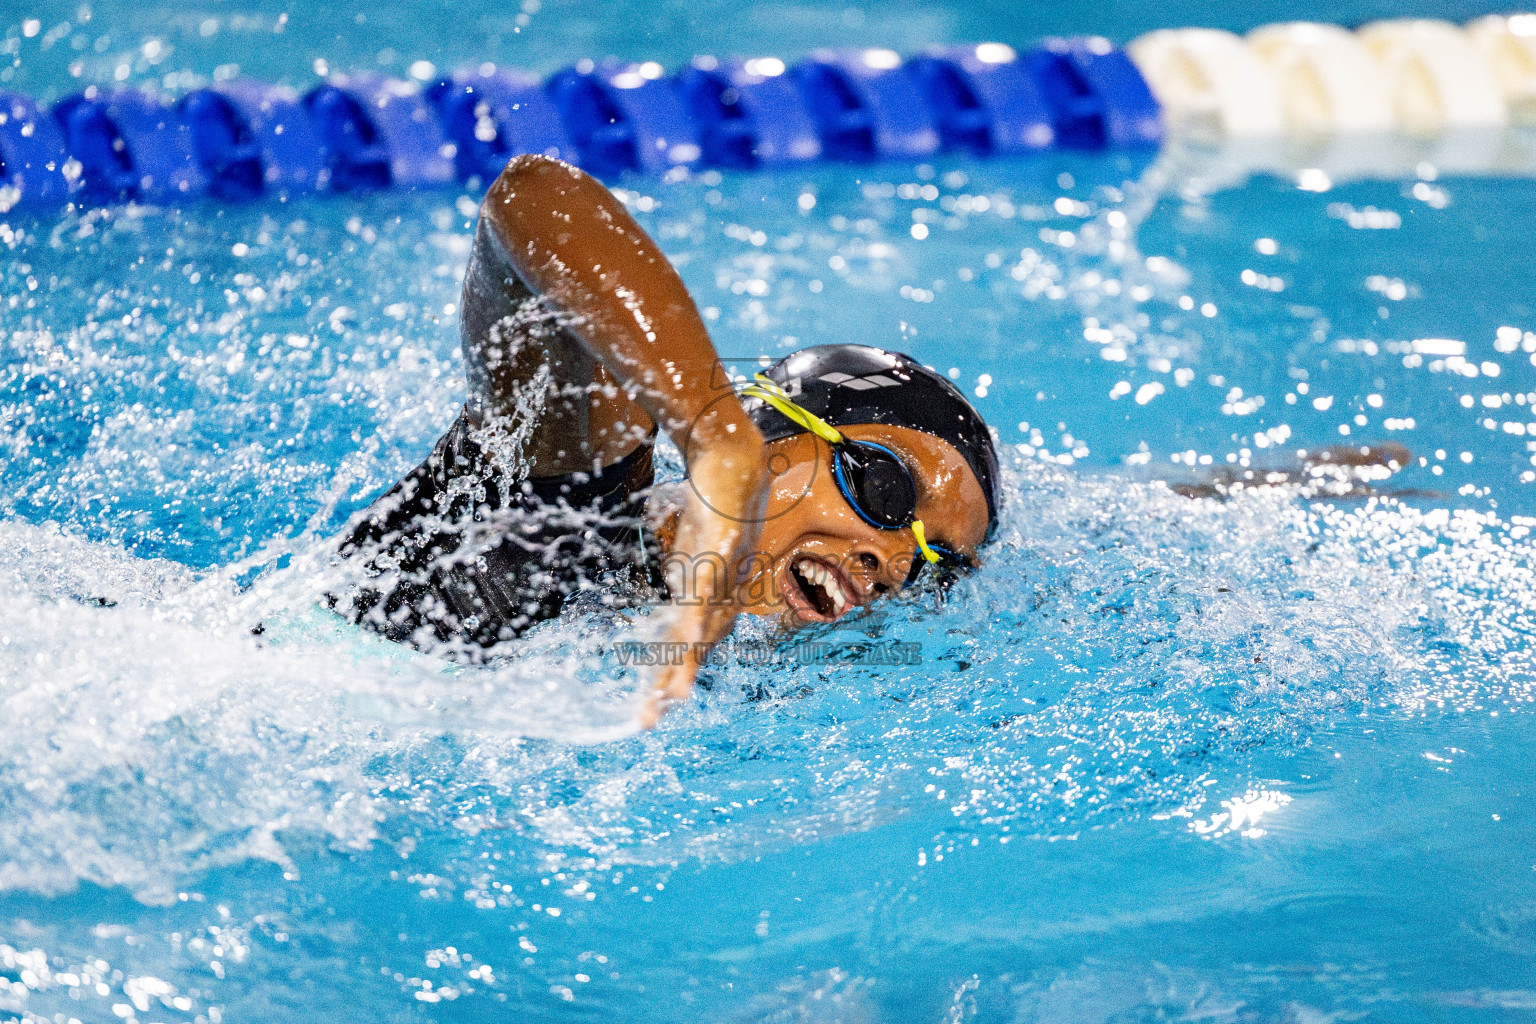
1162, 755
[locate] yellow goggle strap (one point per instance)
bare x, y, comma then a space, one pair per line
774, 395
921, 536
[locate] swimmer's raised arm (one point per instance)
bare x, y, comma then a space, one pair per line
630, 350
619, 331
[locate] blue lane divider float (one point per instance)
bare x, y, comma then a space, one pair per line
244, 139
749, 113
866, 105
130, 146
224, 145
491, 114
625, 117
251, 137
33, 156
983, 99
1096, 96
377, 132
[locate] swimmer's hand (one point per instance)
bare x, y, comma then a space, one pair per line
713, 542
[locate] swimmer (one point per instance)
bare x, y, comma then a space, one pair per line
840, 474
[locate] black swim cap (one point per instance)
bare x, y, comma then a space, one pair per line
847, 385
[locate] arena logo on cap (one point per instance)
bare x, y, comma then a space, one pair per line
873, 380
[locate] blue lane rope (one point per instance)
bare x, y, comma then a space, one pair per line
244, 139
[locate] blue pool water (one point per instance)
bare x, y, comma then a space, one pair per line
1264, 754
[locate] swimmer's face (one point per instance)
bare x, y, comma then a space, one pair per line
821, 560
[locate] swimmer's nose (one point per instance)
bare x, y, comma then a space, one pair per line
884, 570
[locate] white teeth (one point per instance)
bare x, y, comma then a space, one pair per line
824, 578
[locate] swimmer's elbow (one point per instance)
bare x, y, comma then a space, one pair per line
534, 180
525, 166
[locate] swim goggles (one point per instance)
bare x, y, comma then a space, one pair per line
874, 480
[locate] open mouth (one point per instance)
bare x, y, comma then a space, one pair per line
820, 588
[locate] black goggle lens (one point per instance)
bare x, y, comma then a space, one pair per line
877, 483
880, 488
